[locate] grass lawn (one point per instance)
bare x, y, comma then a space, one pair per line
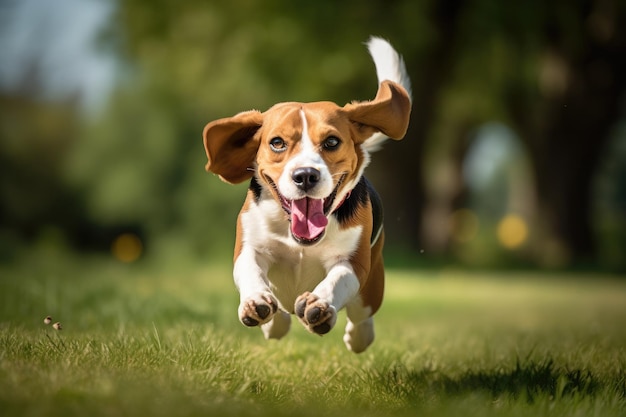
150, 340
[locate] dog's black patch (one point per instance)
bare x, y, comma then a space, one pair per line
377, 211
255, 187
360, 195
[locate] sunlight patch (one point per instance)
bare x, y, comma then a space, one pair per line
512, 231
127, 247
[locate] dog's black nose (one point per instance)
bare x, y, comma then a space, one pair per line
305, 178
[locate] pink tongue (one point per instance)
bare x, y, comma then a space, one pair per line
307, 218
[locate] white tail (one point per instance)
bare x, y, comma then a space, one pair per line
389, 66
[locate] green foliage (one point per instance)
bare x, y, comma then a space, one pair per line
141, 163
34, 142
164, 339
138, 164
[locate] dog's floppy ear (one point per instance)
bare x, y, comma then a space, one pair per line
231, 146
388, 113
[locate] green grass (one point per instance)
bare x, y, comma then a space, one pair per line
163, 340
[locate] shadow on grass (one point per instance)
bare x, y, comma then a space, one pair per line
529, 381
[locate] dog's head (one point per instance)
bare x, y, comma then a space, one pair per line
308, 155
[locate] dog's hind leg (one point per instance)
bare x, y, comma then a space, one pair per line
359, 336
278, 326
360, 328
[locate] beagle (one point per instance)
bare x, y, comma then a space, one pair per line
310, 236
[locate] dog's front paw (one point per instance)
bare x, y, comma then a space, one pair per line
258, 309
316, 314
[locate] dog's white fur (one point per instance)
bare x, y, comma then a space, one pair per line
389, 66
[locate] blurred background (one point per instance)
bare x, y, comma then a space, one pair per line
515, 156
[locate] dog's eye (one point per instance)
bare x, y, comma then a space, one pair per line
278, 144
331, 143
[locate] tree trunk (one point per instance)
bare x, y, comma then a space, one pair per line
401, 185
568, 127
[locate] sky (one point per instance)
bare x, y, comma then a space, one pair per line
60, 36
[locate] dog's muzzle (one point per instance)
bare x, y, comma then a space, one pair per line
308, 216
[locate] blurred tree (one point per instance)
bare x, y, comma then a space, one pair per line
34, 141
555, 71
40, 123
403, 165
551, 71
567, 114
191, 62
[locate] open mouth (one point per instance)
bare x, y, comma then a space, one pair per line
308, 216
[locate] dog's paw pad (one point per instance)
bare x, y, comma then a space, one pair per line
300, 307
263, 311
257, 310
322, 328
313, 314
249, 321
317, 315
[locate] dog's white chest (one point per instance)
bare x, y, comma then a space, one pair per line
291, 268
